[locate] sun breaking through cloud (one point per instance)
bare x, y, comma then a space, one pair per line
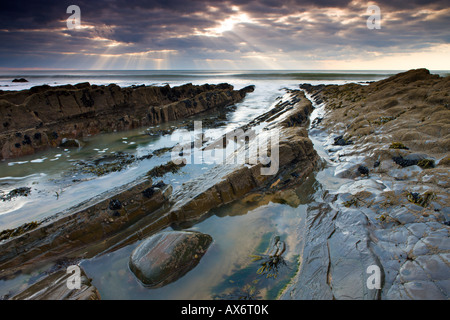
233, 34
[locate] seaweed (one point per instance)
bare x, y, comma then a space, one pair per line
270, 263
10, 233
426, 163
161, 170
341, 141
421, 200
363, 170
398, 145
248, 292
351, 202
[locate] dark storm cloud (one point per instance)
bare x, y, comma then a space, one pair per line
35, 30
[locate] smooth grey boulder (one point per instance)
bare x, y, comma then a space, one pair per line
167, 256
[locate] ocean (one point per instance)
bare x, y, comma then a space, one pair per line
177, 77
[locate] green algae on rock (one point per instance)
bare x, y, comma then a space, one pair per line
398, 145
426, 163
422, 200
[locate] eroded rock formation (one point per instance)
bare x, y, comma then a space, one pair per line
44, 116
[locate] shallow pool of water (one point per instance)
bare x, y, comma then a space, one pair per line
226, 268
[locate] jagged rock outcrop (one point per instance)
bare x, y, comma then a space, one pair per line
374, 211
43, 116
411, 107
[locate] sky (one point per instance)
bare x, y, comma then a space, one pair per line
225, 35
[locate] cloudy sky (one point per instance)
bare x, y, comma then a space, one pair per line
234, 34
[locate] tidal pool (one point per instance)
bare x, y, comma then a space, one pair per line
226, 271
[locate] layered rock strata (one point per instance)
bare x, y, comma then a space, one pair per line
226, 183
88, 227
44, 116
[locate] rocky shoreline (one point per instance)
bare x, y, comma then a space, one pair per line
134, 212
380, 152
44, 116
380, 212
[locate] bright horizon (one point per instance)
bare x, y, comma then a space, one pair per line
223, 70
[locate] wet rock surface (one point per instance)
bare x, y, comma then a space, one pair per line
45, 116
94, 224
394, 218
228, 182
165, 257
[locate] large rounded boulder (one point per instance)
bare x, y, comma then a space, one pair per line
167, 256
